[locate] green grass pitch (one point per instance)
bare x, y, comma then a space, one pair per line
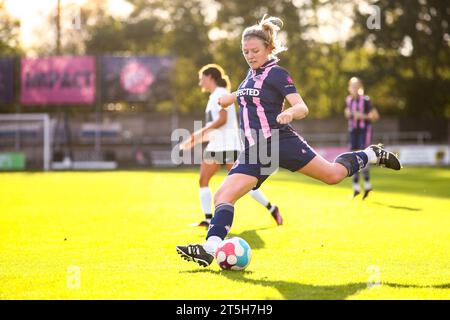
112, 235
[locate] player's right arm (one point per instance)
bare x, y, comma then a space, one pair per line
298, 109
227, 99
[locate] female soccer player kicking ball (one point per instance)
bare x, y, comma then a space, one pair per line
266, 125
221, 130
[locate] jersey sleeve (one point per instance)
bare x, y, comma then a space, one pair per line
283, 82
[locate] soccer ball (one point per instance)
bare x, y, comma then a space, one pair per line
233, 254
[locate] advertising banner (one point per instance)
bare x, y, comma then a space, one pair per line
62, 80
427, 155
136, 79
12, 161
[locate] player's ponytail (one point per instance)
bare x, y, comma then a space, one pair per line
224, 82
266, 30
217, 73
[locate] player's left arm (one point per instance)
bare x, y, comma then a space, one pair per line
297, 111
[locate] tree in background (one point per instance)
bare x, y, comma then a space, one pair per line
9, 46
175, 28
9, 33
316, 65
405, 65
408, 58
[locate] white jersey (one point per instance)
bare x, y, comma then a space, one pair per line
225, 138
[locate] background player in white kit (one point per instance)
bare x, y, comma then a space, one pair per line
221, 130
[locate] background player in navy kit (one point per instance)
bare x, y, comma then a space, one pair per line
221, 130
260, 97
360, 114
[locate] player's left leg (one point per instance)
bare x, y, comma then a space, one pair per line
367, 141
357, 142
356, 188
233, 188
367, 184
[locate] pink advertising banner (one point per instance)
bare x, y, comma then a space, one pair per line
63, 80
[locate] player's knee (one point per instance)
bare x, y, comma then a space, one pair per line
218, 198
223, 196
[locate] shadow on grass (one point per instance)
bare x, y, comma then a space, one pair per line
299, 291
397, 207
411, 181
291, 290
414, 286
252, 237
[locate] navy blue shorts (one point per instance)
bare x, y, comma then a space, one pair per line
360, 138
221, 157
257, 160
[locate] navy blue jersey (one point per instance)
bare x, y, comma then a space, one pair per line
260, 97
361, 104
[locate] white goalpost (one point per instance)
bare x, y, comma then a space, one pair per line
16, 128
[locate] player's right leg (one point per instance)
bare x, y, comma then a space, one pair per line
355, 183
349, 163
367, 184
325, 171
364, 140
385, 158
234, 187
357, 139
207, 170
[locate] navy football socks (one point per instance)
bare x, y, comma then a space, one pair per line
353, 161
221, 222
